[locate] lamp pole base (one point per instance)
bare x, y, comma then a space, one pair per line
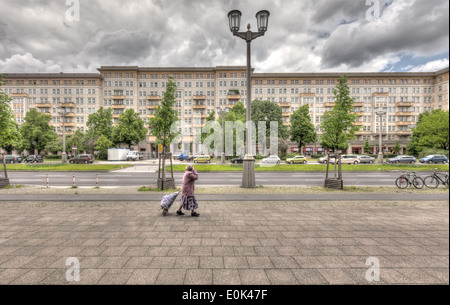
64, 158
248, 176
223, 158
381, 158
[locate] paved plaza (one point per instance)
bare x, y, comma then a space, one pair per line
268, 243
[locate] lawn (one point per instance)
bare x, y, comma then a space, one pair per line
64, 167
313, 168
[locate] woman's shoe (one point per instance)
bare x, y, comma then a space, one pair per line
194, 214
179, 213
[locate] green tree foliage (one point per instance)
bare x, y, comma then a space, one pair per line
78, 140
9, 131
432, 131
367, 147
302, 129
161, 126
397, 148
100, 123
36, 132
203, 136
339, 124
131, 129
54, 146
102, 145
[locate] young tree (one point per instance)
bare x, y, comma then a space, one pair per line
203, 136
367, 147
9, 132
36, 132
165, 117
130, 130
432, 130
339, 124
397, 148
78, 140
54, 146
302, 129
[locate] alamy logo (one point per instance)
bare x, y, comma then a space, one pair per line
73, 13
374, 12
73, 273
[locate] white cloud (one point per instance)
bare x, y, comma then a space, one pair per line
434, 65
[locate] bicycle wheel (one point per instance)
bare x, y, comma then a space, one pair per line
418, 183
402, 182
431, 182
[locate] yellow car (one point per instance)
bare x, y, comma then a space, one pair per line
202, 159
297, 160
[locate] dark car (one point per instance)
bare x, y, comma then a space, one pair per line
434, 159
34, 159
13, 159
82, 159
237, 160
402, 159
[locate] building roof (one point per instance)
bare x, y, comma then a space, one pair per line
53, 75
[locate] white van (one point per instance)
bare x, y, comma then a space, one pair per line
133, 156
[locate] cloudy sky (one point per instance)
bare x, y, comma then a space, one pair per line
303, 35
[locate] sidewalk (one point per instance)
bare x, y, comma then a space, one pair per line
231, 243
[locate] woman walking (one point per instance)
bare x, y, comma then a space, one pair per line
188, 201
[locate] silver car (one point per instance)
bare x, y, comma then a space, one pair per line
366, 159
271, 160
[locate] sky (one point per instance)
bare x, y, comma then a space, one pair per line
303, 35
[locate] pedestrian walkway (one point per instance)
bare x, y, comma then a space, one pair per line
231, 243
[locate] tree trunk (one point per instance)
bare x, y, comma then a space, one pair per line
4, 166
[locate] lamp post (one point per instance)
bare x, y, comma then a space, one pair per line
262, 17
223, 113
381, 112
63, 113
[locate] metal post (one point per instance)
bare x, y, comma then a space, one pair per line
380, 153
64, 155
223, 137
47, 181
73, 180
96, 180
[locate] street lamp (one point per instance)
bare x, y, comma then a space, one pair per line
63, 112
262, 17
223, 113
381, 112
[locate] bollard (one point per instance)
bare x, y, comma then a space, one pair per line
73, 181
96, 181
47, 181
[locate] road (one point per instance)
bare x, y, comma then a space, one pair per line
148, 178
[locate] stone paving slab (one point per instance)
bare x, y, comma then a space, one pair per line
231, 243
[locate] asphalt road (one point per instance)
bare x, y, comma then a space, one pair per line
143, 178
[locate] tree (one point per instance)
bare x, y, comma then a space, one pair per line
203, 136
54, 146
76, 140
339, 124
397, 148
237, 114
161, 126
100, 123
367, 147
36, 132
9, 133
302, 129
102, 145
432, 131
266, 111
130, 130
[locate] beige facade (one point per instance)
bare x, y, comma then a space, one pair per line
202, 90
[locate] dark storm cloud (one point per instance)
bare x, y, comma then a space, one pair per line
304, 35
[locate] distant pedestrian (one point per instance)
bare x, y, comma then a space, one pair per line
188, 201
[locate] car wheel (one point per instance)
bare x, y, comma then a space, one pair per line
430, 162
304, 162
356, 163
85, 162
292, 162
412, 162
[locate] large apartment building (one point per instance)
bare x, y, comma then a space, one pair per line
202, 90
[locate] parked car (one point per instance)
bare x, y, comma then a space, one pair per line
134, 156
82, 159
324, 159
434, 159
402, 159
239, 160
177, 154
34, 159
271, 160
297, 160
347, 159
366, 159
202, 159
185, 156
13, 159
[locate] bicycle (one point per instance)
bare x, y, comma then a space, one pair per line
408, 179
435, 180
